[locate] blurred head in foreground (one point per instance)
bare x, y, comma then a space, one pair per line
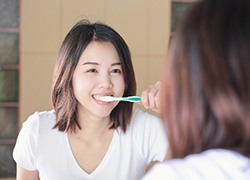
206, 83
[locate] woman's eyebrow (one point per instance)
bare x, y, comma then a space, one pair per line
90, 63
115, 64
95, 63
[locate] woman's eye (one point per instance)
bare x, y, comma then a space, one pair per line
92, 70
116, 71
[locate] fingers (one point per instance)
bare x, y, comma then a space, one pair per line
150, 97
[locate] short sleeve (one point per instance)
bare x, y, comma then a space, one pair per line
157, 140
24, 152
150, 135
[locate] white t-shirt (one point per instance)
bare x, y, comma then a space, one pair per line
39, 147
210, 165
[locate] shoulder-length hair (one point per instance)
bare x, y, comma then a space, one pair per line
74, 44
206, 84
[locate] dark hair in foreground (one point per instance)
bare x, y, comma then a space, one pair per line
206, 84
74, 44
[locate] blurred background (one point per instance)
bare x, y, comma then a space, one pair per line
31, 32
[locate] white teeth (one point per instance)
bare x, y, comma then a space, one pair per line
97, 97
100, 97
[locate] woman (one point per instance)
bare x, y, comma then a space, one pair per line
85, 137
205, 94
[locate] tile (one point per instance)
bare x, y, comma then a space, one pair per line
159, 28
35, 83
9, 85
8, 123
156, 68
148, 71
141, 72
7, 164
9, 45
81, 9
9, 13
130, 19
40, 27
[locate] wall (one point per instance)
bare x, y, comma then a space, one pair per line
144, 24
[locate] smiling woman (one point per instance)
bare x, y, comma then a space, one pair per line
91, 35
84, 137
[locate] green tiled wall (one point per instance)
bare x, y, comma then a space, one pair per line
9, 83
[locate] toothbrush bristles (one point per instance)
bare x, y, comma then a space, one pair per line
106, 98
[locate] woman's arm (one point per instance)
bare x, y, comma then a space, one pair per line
23, 174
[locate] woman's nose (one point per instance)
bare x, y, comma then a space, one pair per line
105, 81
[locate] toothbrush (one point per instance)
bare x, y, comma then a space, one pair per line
128, 99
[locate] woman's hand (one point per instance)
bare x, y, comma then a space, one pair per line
150, 97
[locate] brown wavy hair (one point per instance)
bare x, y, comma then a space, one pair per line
74, 44
206, 84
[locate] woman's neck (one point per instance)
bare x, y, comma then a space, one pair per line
93, 126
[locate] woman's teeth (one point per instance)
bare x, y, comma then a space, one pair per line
97, 97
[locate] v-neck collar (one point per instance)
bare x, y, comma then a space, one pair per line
102, 164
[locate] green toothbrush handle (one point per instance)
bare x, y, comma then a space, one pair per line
132, 99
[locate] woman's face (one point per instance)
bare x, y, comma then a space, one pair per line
98, 73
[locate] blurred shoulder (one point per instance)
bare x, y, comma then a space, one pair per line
210, 164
